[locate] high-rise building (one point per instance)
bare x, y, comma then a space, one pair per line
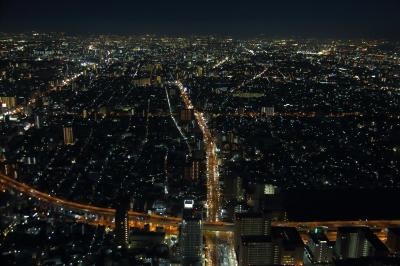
122, 223
257, 250
68, 135
289, 247
234, 189
38, 121
192, 170
357, 242
199, 71
250, 224
191, 236
9, 101
282, 246
268, 111
319, 249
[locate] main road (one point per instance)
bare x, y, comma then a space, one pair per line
213, 193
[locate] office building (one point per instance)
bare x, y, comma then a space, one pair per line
357, 242
250, 224
191, 236
319, 249
258, 250
68, 135
122, 223
8, 101
38, 121
233, 189
199, 71
289, 245
192, 170
268, 111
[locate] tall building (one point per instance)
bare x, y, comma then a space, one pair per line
85, 114
192, 170
9, 101
268, 111
199, 71
234, 189
250, 224
122, 223
283, 246
257, 250
289, 246
319, 249
357, 242
191, 236
68, 135
38, 121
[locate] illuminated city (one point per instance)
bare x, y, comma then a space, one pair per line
197, 148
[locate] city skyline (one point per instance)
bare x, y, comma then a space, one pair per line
200, 133
283, 19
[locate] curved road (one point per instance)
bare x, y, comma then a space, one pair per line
106, 213
12, 184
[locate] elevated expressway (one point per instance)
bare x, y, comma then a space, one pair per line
106, 215
102, 216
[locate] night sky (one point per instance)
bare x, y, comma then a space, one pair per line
283, 18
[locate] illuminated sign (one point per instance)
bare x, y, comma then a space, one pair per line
188, 204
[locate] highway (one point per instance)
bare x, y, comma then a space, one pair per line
333, 225
105, 216
12, 184
213, 193
213, 256
105, 213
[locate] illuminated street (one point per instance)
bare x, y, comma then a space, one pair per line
213, 197
209, 149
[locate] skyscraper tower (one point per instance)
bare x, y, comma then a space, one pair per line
191, 236
251, 224
68, 135
122, 223
357, 242
257, 250
38, 121
319, 247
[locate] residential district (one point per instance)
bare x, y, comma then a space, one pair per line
150, 150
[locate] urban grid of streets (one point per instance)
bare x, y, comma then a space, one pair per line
219, 245
219, 251
268, 77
